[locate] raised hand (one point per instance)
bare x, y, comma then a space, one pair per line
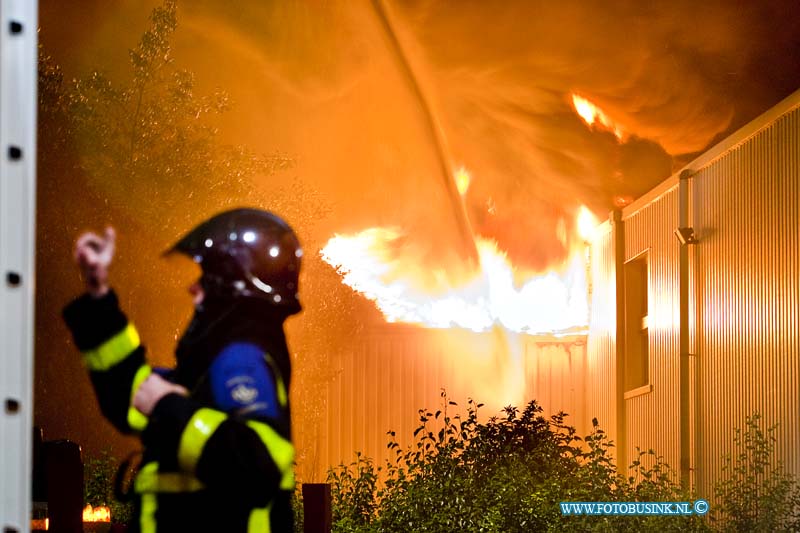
93, 254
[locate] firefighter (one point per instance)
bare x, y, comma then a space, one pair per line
217, 450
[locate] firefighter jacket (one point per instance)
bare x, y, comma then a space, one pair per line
220, 460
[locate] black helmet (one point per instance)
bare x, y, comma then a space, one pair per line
246, 253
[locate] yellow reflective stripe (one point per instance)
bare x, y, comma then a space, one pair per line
147, 514
136, 419
259, 520
288, 482
200, 427
151, 481
280, 449
113, 350
283, 397
147, 518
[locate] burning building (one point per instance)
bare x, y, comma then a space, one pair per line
395, 370
695, 307
692, 305
489, 331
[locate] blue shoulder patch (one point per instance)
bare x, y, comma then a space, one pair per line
241, 382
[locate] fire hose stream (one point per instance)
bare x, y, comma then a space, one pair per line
467, 247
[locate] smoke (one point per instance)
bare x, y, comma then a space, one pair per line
326, 86
668, 73
320, 81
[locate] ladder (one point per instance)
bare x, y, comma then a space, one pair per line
18, 102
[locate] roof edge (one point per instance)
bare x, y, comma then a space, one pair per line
737, 138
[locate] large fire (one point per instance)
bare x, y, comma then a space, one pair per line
379, 264
592, 115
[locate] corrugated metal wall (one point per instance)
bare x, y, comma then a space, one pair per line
395, 370
746, 211
601, 354
555, 376
652, 419
744, 300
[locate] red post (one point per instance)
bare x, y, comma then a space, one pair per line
317, 517
64, 473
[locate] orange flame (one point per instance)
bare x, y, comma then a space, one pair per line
587, 224
41, 524
375, 263
96, 514
591, 114
462, 180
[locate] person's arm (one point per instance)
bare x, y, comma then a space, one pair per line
113, 355
109, 344
240, 446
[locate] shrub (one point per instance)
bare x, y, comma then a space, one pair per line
754, 494
99, 474
506, 475
297, 509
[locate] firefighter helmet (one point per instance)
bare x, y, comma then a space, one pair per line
246, 253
